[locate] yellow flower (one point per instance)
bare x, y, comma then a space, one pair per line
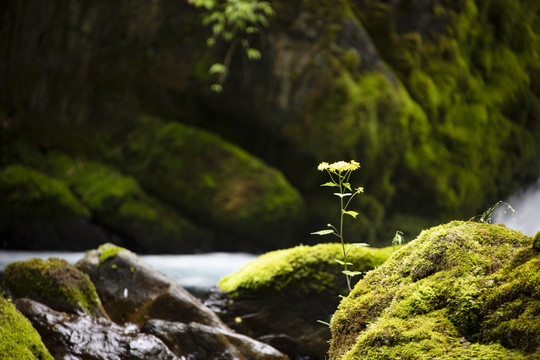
339, 167
323, 166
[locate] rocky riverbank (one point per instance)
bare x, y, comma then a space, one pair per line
461, 290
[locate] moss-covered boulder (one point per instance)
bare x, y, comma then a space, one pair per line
53, 282
279, 297
18, 339
39, 211
118, 204
463, 290
215, 182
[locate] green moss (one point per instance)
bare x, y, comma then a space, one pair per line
225, 186
536, 241
18, 339
461, 290
26, 192
109, 251
308, 268
54, 282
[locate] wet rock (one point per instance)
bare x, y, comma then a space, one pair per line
196, 341
53, 282
86, 337
133, 291
278, 298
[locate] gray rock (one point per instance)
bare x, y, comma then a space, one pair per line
134, 291
89, 338
196, 341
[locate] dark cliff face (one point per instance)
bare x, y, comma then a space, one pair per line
432, 97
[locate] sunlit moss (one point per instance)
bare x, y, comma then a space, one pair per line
461, 290
18, 339
309, 268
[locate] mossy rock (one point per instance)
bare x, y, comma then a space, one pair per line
213, 181
41, 212
55, 283
308, 269
462, 290
26, 192
281, 295
119, 204
18, 339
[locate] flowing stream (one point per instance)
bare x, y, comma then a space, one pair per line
526, 203
197, 273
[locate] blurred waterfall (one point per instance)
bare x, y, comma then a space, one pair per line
526, 202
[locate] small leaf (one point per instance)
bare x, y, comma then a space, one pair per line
351, 273
253, 54
323, 232
342, 195
216, 88
217, 68
342, 263
354, 214
348, 186
329, 184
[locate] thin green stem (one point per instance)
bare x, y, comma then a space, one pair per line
341, 233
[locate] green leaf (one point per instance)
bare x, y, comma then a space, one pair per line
323, 232
329, 184
253, 54
354, 214
342, 263
216, 88
217, 68
342, 195
348, 186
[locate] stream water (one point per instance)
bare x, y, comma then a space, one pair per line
197, 273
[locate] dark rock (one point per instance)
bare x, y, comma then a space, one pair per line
196, 341
89, 338
278, 298
133, 291
54, 282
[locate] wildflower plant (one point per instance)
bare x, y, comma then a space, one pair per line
339, 173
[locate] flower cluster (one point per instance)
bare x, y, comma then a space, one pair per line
339, 167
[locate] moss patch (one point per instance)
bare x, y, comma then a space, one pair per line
54, 282
308, 268
456, 292
26, 192
212, 180
18, 339
109, 252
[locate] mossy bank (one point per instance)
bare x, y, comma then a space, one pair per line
462, 290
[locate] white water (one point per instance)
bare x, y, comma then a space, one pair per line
197, 273
526, 203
